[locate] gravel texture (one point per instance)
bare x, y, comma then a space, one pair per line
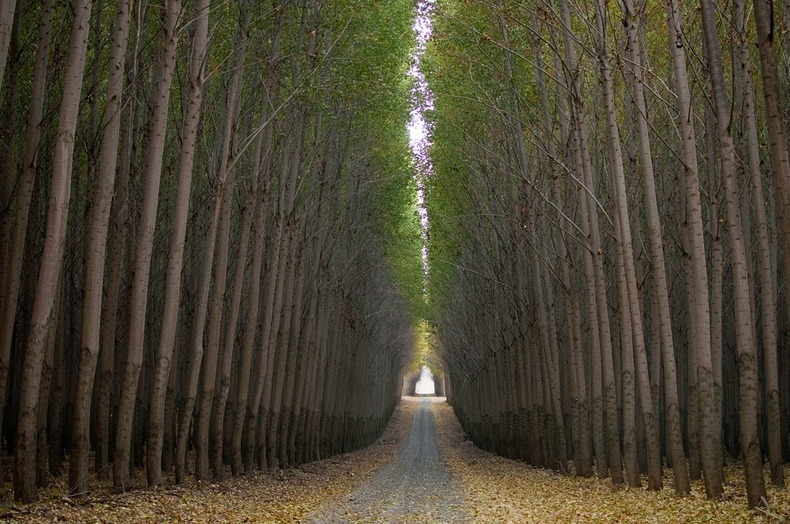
415, 487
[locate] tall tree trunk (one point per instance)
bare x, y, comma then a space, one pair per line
710, 435
226, 178
764, 261
600, 339
152, 173
213, 329
175, 258
229, 342
52, 258
764, 12
630, 458
117, 261
777, 141
716, 226
11, 278
632, 19
747, 351
192, 377
251, 323
95, 257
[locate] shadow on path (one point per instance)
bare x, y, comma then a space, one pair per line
415, 487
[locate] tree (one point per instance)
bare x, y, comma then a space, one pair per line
152, 173
197, 68
49, 272
95, 258
747, 353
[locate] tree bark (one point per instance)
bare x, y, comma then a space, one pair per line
710, 435
95, 258
9, 299
175, 258
747, 351
780, 163
52, 258
7, 9
764, 261
152, 173
672, 409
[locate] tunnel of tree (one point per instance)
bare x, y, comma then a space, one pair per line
216, 241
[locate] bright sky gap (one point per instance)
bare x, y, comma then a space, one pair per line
419, 131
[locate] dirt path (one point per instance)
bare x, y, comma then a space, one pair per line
415, 487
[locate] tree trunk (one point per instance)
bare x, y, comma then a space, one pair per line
51, 260
175, 258
766, 269
7, 9
777, 141
710, 435
226, 178
192, 377
152, 173
251, 323
596, 296
96, 257
672, 409
25, 184
747, 351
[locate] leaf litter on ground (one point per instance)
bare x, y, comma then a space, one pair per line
505, 490
288, 495
496, 489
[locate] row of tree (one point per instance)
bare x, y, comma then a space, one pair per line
208, 236
610, 233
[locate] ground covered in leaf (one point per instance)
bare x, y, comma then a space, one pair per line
504, 490
493, 489
288, 496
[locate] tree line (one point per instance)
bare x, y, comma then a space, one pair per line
610, 234
208, 241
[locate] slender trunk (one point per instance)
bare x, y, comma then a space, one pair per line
9, 299
251, 323
9, 138
175, 258
630, 459
661, 289
780, 163
226, 177
152, 173
190, 387
747, 351
710, 435
43, 470
593, 263
764, 13
51, 260
213, 329
96, 255
229, 342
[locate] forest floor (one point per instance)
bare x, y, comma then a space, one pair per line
423, 469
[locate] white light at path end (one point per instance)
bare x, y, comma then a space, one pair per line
425, 385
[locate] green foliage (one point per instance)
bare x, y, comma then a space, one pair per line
365, 57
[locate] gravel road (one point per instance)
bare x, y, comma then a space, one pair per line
415, 487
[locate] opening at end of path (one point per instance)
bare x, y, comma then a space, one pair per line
423, 383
